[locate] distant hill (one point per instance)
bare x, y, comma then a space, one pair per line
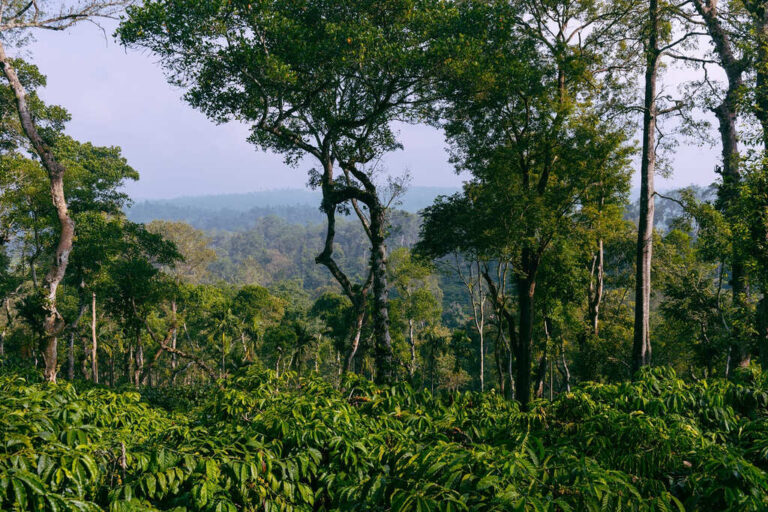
238, 212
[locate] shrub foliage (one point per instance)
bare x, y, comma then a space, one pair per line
259, 442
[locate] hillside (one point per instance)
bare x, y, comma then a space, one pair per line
238, 212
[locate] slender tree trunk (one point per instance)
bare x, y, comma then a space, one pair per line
566, 371
511, 374
223, 357
174, 357
383, 342
71, 348
412, 343
596, 289
130, 363
71, 356
94, 342
482, 362
6, 325
139, 364
53, 323
541, 375
359, 318
84, 362
497, 357
641, 348
138, 353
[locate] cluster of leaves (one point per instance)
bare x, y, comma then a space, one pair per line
259, 442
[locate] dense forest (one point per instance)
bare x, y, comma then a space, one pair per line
536, 340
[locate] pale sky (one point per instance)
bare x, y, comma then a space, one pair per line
120, 97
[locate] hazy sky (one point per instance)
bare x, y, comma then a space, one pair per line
120, 97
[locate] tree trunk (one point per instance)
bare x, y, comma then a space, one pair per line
360, 317
541, 374
84, 368
138, 366
761, 112
174, 337
762, 330
526, 289
596, 289
71, 348
729, 191
641, 348
71, 356
357, 295
412, 343
53, 323
94, 342
497, 357
383, 342
482, 362
130, 363
6, 325
566, 371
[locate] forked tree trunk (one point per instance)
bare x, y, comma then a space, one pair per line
53, 323
641, 348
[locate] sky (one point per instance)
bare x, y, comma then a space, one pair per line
120, 97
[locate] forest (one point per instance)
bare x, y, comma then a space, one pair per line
541, 339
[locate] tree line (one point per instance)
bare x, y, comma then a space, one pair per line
539, 105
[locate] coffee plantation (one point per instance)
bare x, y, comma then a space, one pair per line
258, 442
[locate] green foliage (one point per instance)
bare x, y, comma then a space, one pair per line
289, 443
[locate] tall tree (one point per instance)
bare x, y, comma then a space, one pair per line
317, 78
524, 117
721, 22
641, 346
664, 29
418, 297
16, 17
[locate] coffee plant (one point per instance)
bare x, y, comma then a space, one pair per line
258, 442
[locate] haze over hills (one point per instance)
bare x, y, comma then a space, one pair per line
236, 212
